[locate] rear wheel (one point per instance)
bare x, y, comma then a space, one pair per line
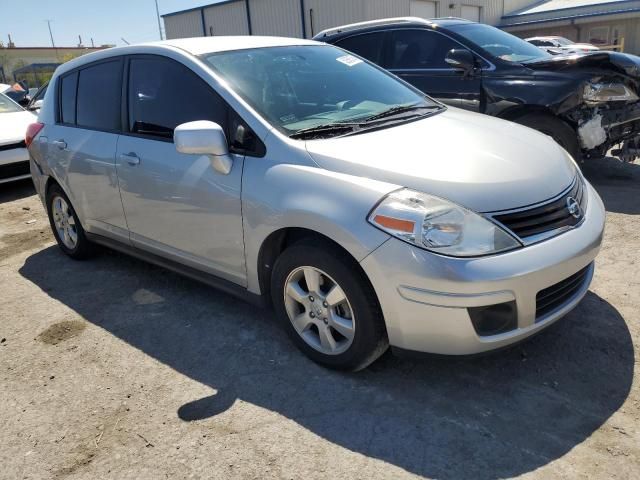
557, 129
65, 225
327, 306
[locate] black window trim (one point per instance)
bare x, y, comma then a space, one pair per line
125, 107
125, 61
386, 56
77, 70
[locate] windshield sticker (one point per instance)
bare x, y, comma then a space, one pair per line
288, 118
349, 60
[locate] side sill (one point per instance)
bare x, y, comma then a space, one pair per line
197, 275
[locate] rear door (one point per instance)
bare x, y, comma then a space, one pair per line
176, 205
82, 144
418, 56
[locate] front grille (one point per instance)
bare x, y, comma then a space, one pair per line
548, 217
11, 146
557, 295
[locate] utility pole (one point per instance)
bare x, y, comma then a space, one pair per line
53, 44
159, 23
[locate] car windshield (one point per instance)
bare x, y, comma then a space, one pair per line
500, 44
299, 88
563, 41
7, 105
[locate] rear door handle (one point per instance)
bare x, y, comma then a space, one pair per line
130, 158
61, 144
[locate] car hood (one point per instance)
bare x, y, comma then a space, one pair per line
483, 163
13, 126
622, 63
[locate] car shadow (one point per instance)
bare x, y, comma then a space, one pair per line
17, 190
618, 183
490, 417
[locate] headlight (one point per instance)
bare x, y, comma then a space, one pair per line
608, 92
438, 225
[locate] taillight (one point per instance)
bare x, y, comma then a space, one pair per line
32, 131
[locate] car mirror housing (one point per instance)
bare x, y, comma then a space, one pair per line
204, 138
461, 59
37, 105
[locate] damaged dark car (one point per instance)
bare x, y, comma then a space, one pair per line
587, 102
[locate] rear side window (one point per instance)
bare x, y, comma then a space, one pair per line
418, 49
163, 94
98, 103
68, 88
368, 45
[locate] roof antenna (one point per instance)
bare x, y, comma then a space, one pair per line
122, 38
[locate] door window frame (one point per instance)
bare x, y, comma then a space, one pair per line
486, 66
261, 150
78, 70
125, 61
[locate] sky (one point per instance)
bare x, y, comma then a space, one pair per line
107, 21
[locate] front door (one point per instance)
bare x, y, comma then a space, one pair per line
176, 205
418, 56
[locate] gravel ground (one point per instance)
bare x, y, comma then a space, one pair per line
112, 368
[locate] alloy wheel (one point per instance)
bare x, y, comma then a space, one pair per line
64, 222
319, 310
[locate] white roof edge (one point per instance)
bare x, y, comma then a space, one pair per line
371, 23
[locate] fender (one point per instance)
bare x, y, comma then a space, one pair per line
286, 196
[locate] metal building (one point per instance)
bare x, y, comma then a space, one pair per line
305, 18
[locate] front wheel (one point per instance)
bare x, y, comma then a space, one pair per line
559, 130
327, 306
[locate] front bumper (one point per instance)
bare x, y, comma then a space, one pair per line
425, 297
14, 164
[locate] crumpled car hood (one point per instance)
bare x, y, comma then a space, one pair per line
483, 163
622, 63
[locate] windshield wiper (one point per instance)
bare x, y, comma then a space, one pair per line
400, 109
325, 129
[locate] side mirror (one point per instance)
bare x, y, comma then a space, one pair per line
37, 105
461, 59
204, 138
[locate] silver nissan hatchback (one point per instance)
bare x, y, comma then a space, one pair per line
367, 213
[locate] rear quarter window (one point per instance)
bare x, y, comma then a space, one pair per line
68, 88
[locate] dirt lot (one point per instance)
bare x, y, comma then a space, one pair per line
112, 368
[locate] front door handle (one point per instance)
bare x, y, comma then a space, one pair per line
130, 158
61, 144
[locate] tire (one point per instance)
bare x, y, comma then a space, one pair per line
560, 131
364, 341
74, 241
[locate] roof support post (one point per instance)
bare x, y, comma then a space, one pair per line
246, 2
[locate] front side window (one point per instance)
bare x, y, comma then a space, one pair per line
98, 98
297, 88
500, 44
164, 94
416, 49
368, 45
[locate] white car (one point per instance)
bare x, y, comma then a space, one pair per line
561, 45
14, 157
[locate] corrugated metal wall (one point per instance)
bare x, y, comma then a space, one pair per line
321, 14
276, 17
183, 25
283, 17
227, 19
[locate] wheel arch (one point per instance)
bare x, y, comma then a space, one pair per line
279, 240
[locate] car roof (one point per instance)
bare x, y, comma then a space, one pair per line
381, 24
201, 45
194, 46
